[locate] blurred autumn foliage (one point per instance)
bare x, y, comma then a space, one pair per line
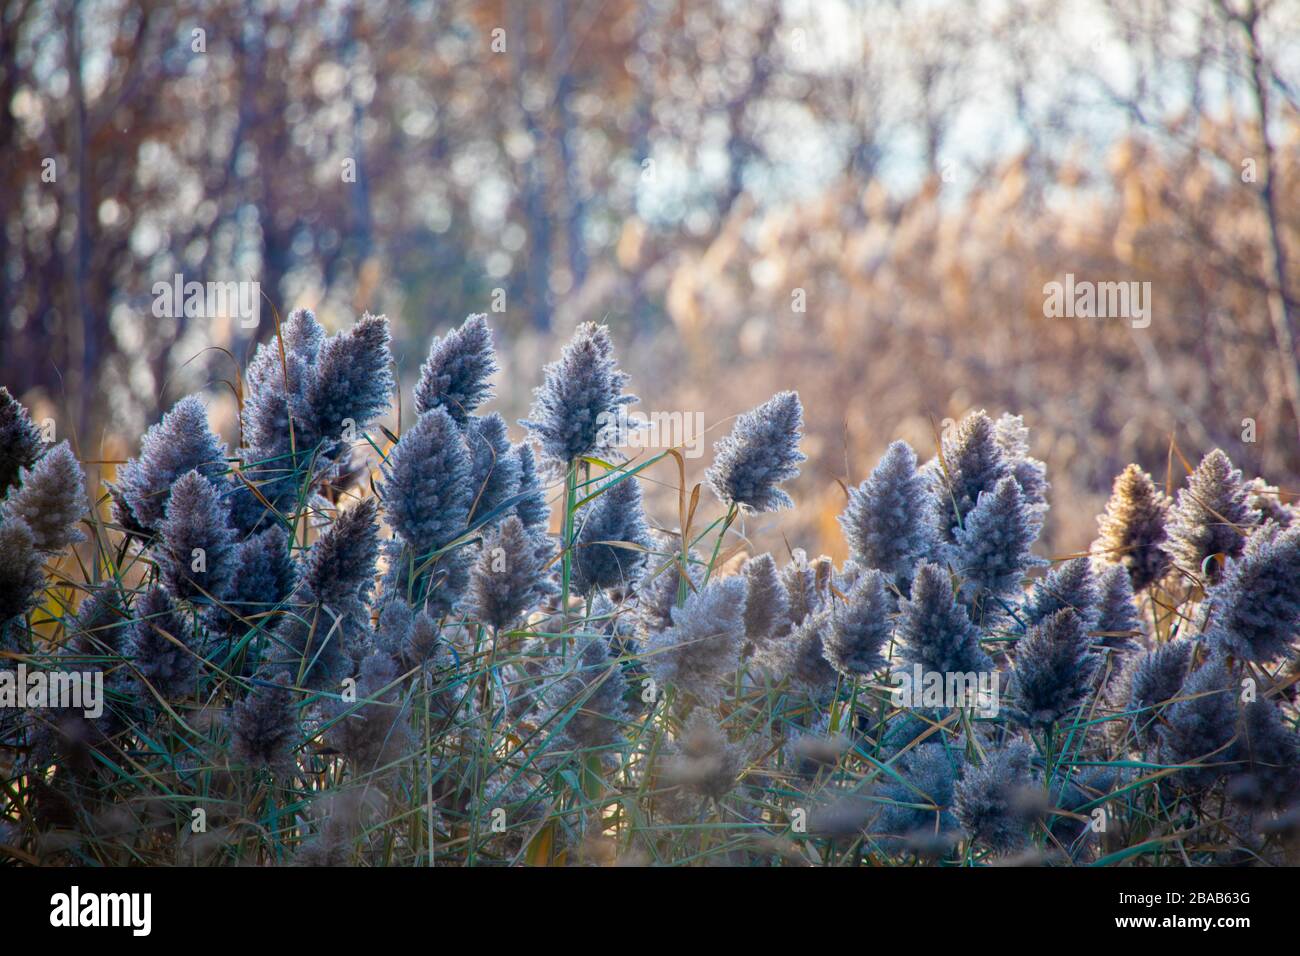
859, 200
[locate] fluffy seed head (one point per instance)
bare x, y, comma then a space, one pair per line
702, 645
183, 441
615, 516
860, 627
196, 554
1210, 517
760, 453
889, 521
995, 802
457, 374
1053, 671
1254, 610
579, 395
50, 498
934, 630
509, 577
158, 648
20, 440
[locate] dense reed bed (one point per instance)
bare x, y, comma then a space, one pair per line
340, 645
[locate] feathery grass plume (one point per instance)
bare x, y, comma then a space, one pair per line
588, 698
183, 441
427, 496
1267, 500
888, 522
767, 607
1012, 438
1053, 671
934, 630
532, 508
860, 629
1153, 679
919, 813
761, 452
393, 628
995, 802
352, 381
160, 656
340, 567
197, 552
1070, 584
1254, 609
807, 584
509, 577
20, 440
1210, 516
1268, 751
22, 575
616, 515
580, 394
1200, 724
1118, 620
493, 466
457, 374
275, 391
102, 627
1132, 529
991, 551
264, 575
704, 642
800, 657
274, 419
702, 760
264, 726
371, 731
972, 463
50, 498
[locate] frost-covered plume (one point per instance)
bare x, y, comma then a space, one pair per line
427, 496
1053, 671
162, 661
457, 375
1118, 623
264, 726
760, 453
996, 802
196, 556
20, 440
1070, 584
50, 499
616, 515
702, 645
532, 508
509, 578
767, 607
1211, 516
1199, 726
991, 551
1132, 529
934, 630
580, 393
183, 441
494, 468
1254, 610
1152, 680
860, 627
972, 462
889, 521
